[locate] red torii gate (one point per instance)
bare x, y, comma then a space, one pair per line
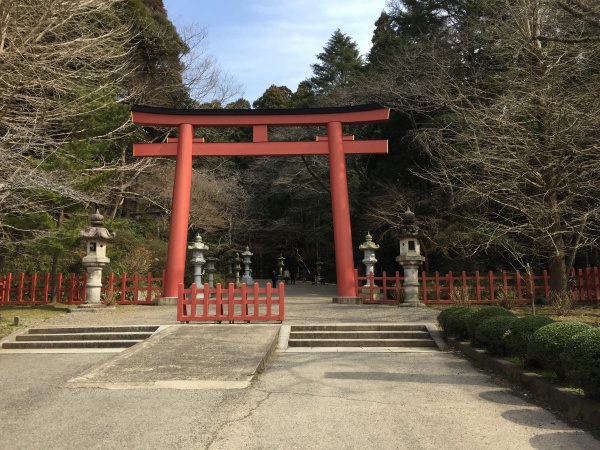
186, 146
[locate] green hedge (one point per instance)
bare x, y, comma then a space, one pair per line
490, 333
549, 341
482, 314
443, 315
456, 323
520, 331
581, 361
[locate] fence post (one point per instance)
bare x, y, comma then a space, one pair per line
281, 302
46, 287
491, 279
477, 286
124, 286
34, 280
588, 284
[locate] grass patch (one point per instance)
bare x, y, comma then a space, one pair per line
27, 315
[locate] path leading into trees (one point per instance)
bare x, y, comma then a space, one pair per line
433, 400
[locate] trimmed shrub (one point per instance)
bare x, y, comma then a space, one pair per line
490, 333
581, 361
548, 342
456, 323
520, 331
480, 315
443, 315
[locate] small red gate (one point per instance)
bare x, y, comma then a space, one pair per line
231, 304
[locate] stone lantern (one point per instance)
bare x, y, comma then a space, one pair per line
198, 248
236, 269
369, 247
247, 278
95, 237
280, 263
318, 266
410, 258
211, 269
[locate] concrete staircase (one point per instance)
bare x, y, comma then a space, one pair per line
108, 337
363, 336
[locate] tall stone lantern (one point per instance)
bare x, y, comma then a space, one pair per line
280, 263
211, 269
198, 248
247, 278
410, 258
95, 237
369, 247
236, 269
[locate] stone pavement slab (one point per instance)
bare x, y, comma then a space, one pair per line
188, 357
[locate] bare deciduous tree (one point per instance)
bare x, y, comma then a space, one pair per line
512, 126
60, 61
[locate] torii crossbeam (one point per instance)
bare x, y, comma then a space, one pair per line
186, 146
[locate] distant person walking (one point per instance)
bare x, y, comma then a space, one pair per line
304, 274
286, 276
293, 275
274, 278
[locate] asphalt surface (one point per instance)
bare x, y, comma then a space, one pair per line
200, 387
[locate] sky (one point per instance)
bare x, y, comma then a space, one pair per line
265, 42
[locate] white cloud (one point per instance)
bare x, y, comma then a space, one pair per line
264, 42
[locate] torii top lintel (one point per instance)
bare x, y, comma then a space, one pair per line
166, 117
259, 119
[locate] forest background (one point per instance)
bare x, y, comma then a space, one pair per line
493, 138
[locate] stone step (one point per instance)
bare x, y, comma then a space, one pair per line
361, 343
95, 329
361, 327
321, 335
84, 337
70, 344
120, 336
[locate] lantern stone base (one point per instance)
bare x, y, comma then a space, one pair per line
412, 304
166, 301
347, 300
377, 295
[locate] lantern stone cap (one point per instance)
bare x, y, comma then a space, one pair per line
409, 229
198, 244
96, 231
247, 252
368, 244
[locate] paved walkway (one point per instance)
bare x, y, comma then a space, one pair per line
194, 393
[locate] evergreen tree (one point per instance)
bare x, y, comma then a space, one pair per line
275, 97
340, 62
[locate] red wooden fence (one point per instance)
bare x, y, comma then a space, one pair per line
242, 304
70, 290
483, 288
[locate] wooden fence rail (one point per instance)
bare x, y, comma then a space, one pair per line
122, 289
244, 304
481, 288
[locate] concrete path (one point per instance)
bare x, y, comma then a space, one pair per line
158, 396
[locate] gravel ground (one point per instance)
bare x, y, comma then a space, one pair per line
305, 303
